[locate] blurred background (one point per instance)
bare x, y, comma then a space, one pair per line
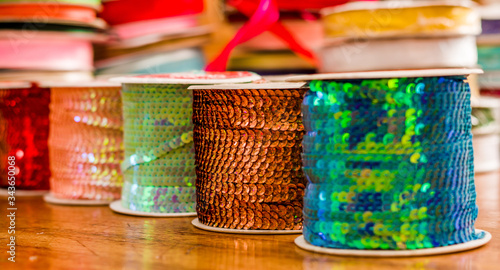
81, 39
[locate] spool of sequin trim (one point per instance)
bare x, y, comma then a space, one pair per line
248, 167
85, 143
159, 176
389, 160
24, 130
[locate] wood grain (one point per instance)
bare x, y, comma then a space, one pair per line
65, 237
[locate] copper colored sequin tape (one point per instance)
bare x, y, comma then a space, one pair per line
248, 164
159, 155
86, 145
24, 130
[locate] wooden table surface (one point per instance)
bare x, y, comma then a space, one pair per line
65, 237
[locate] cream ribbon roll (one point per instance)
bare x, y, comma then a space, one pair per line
402, 53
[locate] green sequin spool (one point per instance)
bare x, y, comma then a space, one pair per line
159, 154
159, 167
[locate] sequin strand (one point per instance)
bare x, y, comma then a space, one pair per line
24, 130
389, 163
158, 169
248, 166
86, 145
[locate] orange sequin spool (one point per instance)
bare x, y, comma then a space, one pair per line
86, 141
248, 141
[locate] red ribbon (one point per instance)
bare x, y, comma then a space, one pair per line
264, 16
294, 5
126, 11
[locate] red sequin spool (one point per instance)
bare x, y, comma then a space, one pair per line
24, 131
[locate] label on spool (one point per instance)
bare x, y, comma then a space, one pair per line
199, 77
14, 85
267, 85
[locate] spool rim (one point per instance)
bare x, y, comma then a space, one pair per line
117, 207
23, 193
196, 223
303, 244
50, 198
190, 78
387, 74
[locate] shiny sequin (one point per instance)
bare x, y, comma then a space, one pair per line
389, 163
24, 131
159, 154
248, 164
86, 145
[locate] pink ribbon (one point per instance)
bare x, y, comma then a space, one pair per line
265, 16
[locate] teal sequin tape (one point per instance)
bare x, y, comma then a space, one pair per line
159, 172
389, 163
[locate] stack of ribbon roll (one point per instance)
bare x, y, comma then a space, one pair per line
393, 35
485, 117
489, 50
486, 129
24, 130
388, 156
48, 40
158, 170
157, 37
85, 143
248, 142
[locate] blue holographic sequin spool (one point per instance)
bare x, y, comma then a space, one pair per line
389, 163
